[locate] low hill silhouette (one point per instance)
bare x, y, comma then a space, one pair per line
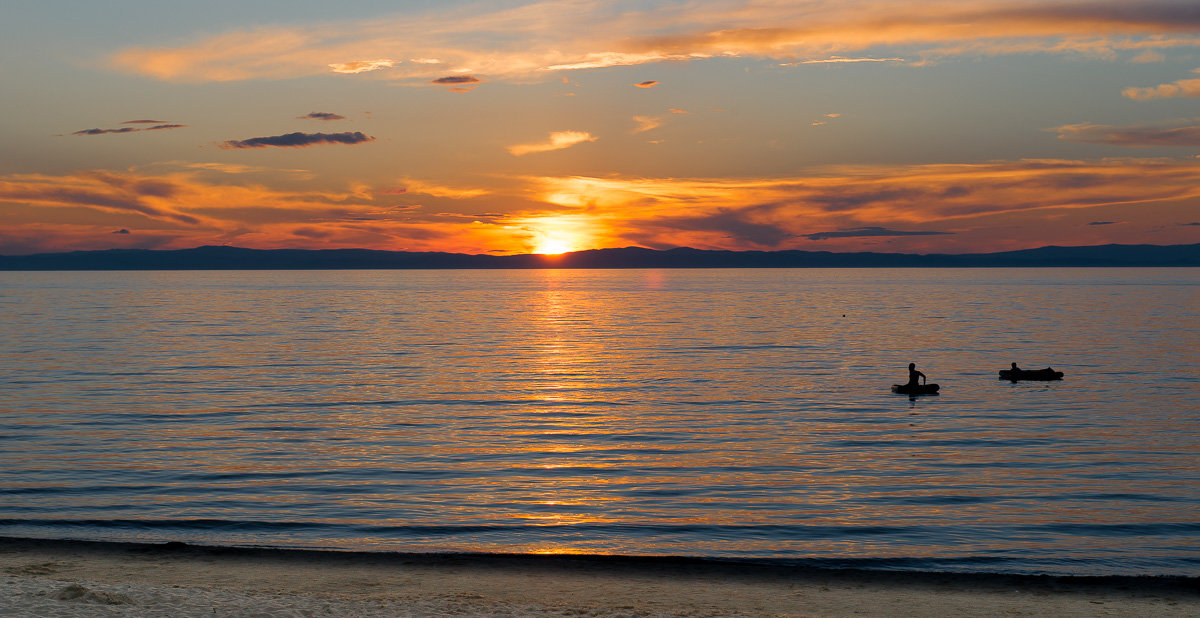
235, 258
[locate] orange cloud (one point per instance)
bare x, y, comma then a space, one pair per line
838, 60
557, 141
1189, 88
968, 207
558, 35
600, 60
436, 190
361, 66
1147, 57
1131, 135
646, 123
179, 210
152, 198
778, 213
223, 168
270, 53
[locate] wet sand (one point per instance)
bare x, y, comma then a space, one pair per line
75, 578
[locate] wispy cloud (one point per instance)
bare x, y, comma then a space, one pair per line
361, 66
1147, 57
213, 167
158, 127
861, 232
838, 60
105, 191
823, 122
557, 141
299, 140
646, 84
1187, 88
1102, 222
646, 123
105, 131
421, 187
520, 41
326, 116
1139, 136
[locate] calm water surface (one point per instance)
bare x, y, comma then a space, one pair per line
728, 413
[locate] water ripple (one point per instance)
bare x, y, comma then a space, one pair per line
738, 414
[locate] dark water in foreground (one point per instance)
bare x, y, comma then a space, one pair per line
731, 413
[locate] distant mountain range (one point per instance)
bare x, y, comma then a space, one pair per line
234, 258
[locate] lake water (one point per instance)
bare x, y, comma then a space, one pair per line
719, 413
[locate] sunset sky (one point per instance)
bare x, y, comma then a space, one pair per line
515, 127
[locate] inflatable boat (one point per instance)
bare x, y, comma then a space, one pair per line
915, 389
1030, 374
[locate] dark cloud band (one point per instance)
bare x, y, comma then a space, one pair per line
322, 116
299, 140
130, 129
870, 231
105, 131
457, 79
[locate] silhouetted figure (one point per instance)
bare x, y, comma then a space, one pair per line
917, 384
1015, 368
913, 374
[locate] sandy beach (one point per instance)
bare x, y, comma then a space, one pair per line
72, 578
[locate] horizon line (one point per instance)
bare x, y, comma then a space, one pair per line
568, 253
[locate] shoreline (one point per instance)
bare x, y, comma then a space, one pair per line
67, 577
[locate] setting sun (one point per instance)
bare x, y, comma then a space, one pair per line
553, 246
558, 234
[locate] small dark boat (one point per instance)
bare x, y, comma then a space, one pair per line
915, 389
1030, 374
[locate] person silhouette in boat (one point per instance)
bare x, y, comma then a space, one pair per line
913, 374
1015, 368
